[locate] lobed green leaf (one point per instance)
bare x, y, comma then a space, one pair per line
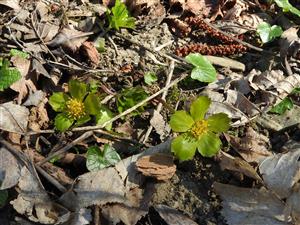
181, 121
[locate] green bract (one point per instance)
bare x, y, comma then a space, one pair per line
197, 132
98, 159
267, 32
76, 107
203, 70
119, 17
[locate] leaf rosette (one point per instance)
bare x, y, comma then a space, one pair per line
197, 132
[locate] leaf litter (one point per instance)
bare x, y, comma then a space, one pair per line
257, 181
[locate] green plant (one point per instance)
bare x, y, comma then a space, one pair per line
76, 107
130, 97
287, 6
16, 52
119, 17
8, 75
267, 32
283, 106
150, 78
203, 70
196, 131
98, 159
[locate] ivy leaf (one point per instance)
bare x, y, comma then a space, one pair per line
8, 75
267, 32
62, 122
58, 101
184, 147
77, 89
181, 121
3, 197
209, 144
120, 17
283, 106
97, 159
287, 7
150, 78
203, 69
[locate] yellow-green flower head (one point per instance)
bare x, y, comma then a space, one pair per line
198, 132
75, 108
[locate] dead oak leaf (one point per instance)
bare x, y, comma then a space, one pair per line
22, 85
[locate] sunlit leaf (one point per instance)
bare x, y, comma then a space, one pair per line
209, 144
267, 32
62, 122
8, 75
203, 70
218, 122
199, 107
287, 7
150, 78
58, 101
181, 121
184, 147
283, 106
77, 89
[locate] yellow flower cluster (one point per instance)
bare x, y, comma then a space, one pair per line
200, 127
75, 108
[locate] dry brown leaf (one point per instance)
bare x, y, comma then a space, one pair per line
14, 4
281, 171
38, 117
22, 85
70, 39
33, 200
13, 118
253, 147
289, 42
35, 98
172, 216
10, 169
251, 206
160, 125
237, 164
89, 51
159, 166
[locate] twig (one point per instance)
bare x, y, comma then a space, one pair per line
164, 95
67, 147
132, 108
113, 43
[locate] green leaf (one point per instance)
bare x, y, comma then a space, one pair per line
268, 33
8, 75
77, 89
184, 147
82, 120
58, 101
283, 106
120, 17
130, 97
3, 198
199, 107
218, 122
92, 104
62, 122
203, 69
287, 7
97, 159
16, 52
209, 144
103, 116
100, 44
181, 121
150, 78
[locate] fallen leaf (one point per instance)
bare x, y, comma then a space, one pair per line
38, 117
250, 206
253, 147
90, 52
35, 98
22, 85
281, 171
172, 216
159, 166
236, 164
13, 118
10, 169
14, 4
160, 125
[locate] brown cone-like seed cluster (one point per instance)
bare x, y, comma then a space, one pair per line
228, 48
